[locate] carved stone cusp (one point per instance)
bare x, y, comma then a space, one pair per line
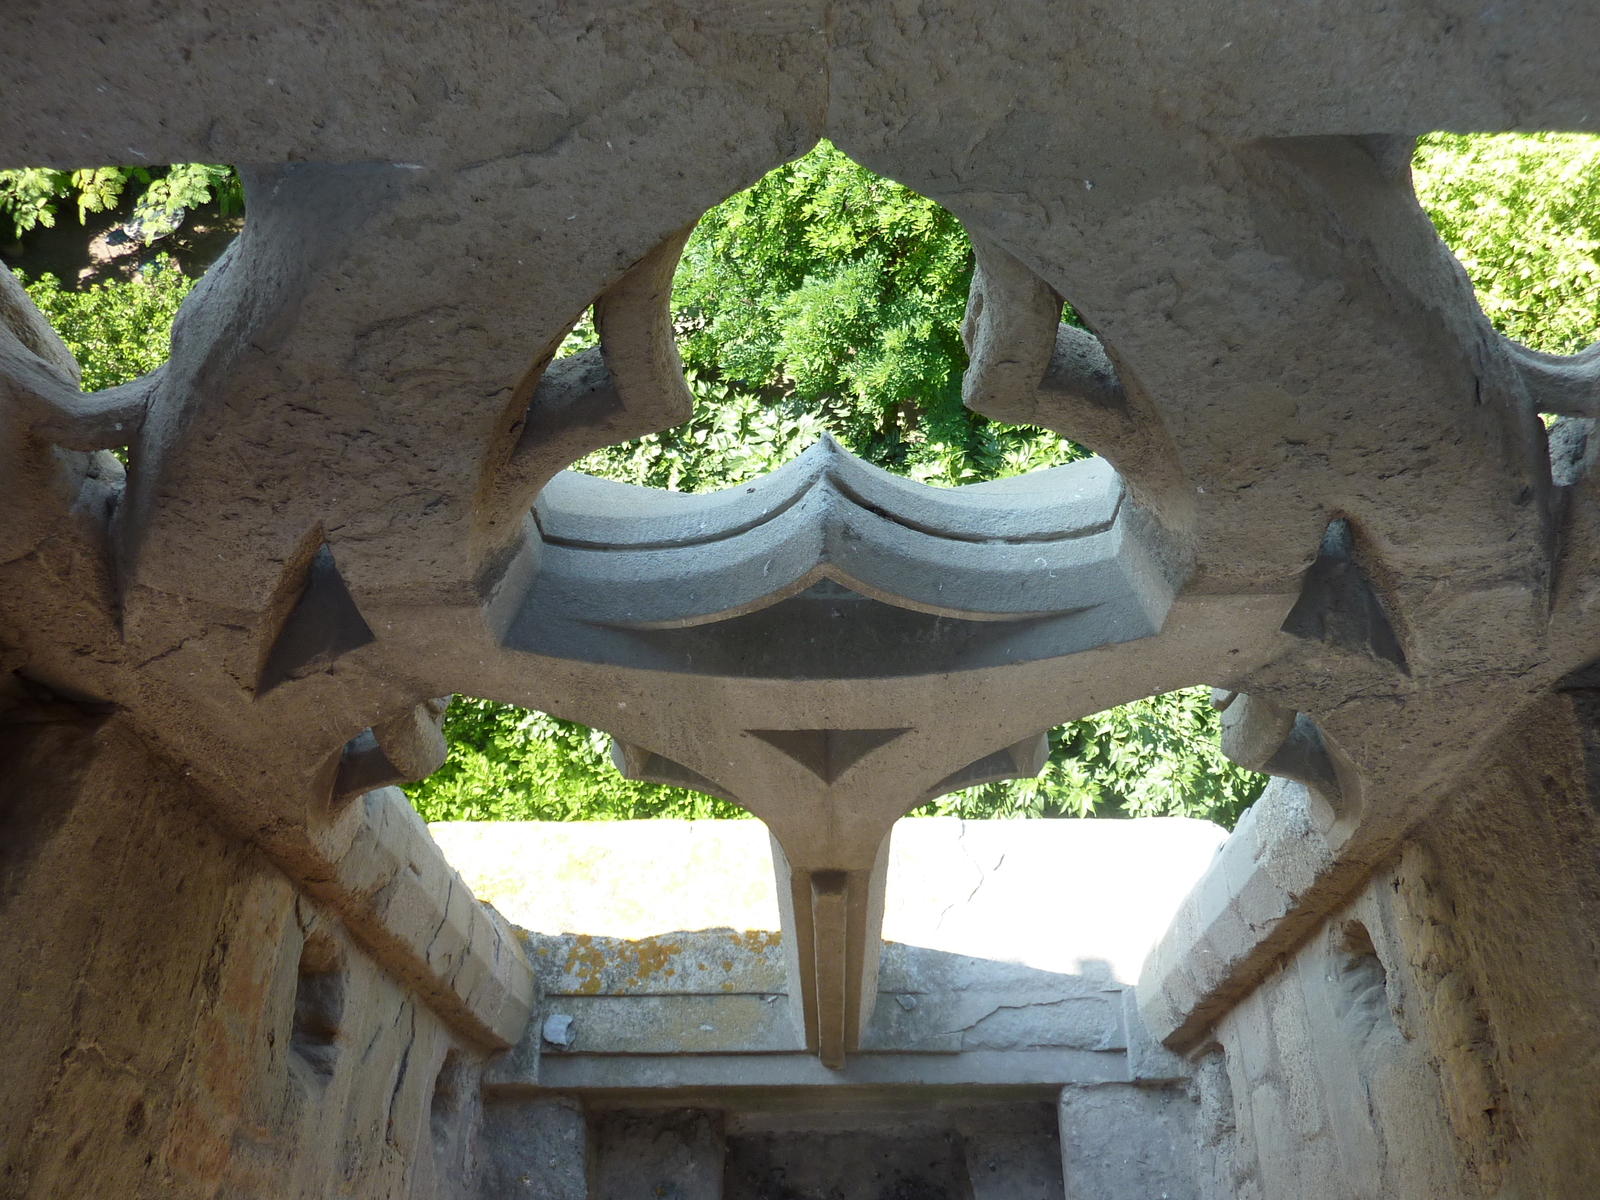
1022, 760
1010, 334
1261, 736
323, 625
1565, 384
403, 750
634, 318
1080, 369
635, 762
39, 382
628, 386
1027, 368
414, 742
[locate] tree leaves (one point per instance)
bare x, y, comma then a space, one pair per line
1158, 757
509, 764
116, 331
1522, 213
29, 195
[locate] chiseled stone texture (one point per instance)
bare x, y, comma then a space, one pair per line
1127, 1141
1242, 908
534, 1148
1497, 906
1281, 341
166, 1045
1334, 1100
1427, 1039
395, 888
670, 1154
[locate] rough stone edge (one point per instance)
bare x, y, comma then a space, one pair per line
1268, 888
398, 895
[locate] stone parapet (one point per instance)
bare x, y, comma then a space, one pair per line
662, 992
1244, 912
395, 892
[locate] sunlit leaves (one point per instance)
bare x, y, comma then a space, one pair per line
1522, 213
1158, 757
99, 189
508, 764
733, 437
828, 290
116, 331
29, 196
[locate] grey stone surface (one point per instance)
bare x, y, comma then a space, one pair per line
1045, 1067
1012, 1152
1149, 1062
867, 1165
535, 1148
673, 1154
1241, 915
1127, 1141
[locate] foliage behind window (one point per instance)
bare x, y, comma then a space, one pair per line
116, 331
32, 196
1522, 213
508, 764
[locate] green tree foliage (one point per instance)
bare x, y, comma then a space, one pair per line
31, 196
1158, 757
827, 297
1522, 213
116, 331
509, 764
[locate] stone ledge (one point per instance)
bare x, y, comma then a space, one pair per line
979, 1068
398, 896
1245, 910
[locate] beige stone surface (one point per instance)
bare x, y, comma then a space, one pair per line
1281, 344
153, 1047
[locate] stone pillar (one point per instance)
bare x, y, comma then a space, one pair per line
1013, 1152
1121, 1141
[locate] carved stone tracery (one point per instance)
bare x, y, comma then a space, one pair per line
345, 497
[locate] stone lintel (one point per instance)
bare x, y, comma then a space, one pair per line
981, 1068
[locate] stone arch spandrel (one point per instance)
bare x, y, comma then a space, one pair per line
392, 356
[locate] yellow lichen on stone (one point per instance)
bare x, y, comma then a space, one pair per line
590, 959
755, 941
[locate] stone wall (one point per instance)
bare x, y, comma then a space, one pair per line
218, 1032
236, 963
182, 1021
1436, 1035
